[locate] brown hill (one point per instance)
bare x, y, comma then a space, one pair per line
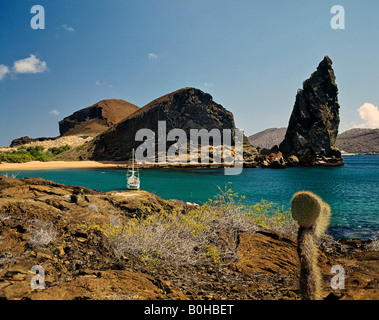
361, 141
186, 109
97, 118
268, 138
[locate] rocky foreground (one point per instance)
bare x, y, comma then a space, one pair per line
41, 223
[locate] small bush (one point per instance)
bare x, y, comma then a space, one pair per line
35, 150
41, 233
206, 234
26, 154
43, 157
373, 245
213, 253
16, 156
268, 215
55, 150
203, 235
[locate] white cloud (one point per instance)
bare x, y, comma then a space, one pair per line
30, 65
103, 84
55, 112
68, 28
152, 56
369, 113
207, 84
4, 70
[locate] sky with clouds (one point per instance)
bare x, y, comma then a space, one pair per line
251, 56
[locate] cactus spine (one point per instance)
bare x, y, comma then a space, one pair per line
312, 215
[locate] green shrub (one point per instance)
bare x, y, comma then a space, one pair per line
16, 157
26, 154
35, 149
55, 150
270, 216
43, 157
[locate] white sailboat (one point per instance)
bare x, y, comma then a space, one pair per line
132, 177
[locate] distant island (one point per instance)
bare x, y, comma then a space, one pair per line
106, 130
353, 141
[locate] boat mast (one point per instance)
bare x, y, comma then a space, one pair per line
133, 160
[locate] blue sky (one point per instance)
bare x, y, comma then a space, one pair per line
251, 56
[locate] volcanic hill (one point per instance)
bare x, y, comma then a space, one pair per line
186, 109
97, 118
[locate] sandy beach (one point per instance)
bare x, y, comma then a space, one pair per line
37, 165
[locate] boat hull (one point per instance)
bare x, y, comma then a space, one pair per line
133, 186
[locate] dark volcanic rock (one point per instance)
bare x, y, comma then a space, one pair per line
186, 109
97, 118
24, 140
313, 126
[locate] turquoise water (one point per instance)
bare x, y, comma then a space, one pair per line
352, 190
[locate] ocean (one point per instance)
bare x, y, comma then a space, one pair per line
352, 190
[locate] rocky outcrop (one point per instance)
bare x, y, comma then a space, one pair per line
185, 109
97, 118
313, 126
359, 141
271, 158
44, 223
26, 140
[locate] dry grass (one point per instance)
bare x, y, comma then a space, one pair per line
206, 234
41, 233
373, 245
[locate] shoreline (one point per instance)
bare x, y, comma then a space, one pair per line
38, 165
90, 164
360, 154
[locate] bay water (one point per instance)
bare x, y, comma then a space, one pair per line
352, 190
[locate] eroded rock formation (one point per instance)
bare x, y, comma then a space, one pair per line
313, 126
